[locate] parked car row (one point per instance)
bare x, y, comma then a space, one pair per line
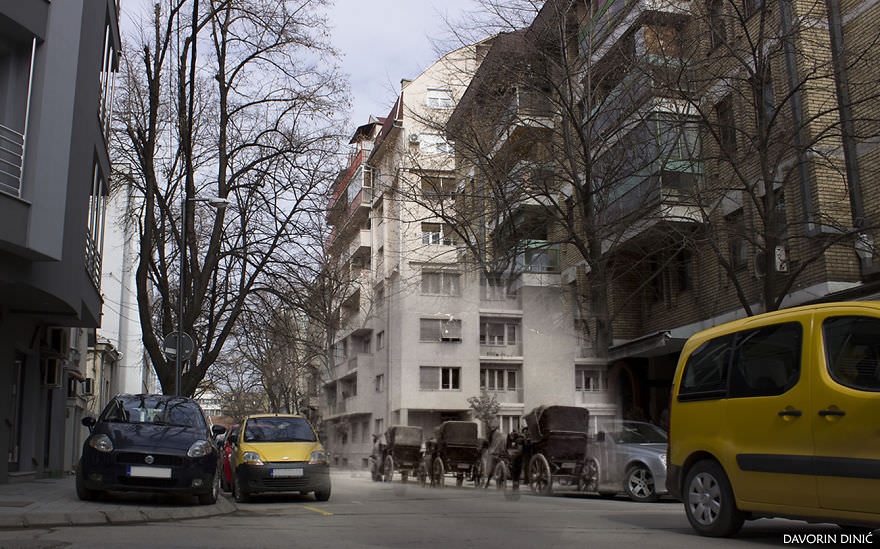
155, 443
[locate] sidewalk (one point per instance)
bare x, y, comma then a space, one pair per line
52, 502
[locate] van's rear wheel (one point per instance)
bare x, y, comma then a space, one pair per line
709, 501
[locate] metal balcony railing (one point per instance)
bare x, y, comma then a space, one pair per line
11, 160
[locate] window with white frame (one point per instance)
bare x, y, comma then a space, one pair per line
440, 98
434, 143
441, 283
380, 383
498, 332
509, 423
590, 380
437, 329
434, 378
436, 234
499, 378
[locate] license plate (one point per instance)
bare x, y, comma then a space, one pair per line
287, 472
149, 472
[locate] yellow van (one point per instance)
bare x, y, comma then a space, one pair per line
278, 453
779, 415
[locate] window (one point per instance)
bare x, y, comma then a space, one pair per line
379, 426
95, 234
437, 329
439, 98
736, 240
684, 275
717, 29
434, 143
852, 351
107, 78
380, 383
435, 234
438, 188
508, 424
380, 340
726, 125
498, 332
764, 98
662, 40
493, 288
766, 361
365, 431
499, 379
365, 345
340, 351
705, 372
433, 378
440, 283
590, 380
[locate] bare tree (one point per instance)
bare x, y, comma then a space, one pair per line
235, 100
783, 106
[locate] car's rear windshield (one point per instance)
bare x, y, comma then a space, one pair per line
634, 432
278, 429
154, 410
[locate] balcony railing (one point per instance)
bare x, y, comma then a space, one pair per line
93, 261
506, 396
539, 257
11, 160
612, 13
525, 108
512, 350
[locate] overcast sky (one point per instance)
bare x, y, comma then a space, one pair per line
381, 41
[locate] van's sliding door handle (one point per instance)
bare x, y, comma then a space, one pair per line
796, 413
824, 413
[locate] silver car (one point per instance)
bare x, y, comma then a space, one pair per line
630, 457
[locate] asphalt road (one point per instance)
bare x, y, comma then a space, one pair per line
365, 514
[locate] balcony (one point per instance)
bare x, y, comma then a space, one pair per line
508, 396
360, 361
11, 160
513, 350
616, 17
523, 113
539, 256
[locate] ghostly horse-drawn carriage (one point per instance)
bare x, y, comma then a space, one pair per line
455, 450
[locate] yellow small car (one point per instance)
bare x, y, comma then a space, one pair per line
278, 453
779, 415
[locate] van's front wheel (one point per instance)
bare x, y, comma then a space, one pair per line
709, 502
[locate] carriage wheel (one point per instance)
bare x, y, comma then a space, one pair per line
438, 473
389, 469
540, 479
589, 479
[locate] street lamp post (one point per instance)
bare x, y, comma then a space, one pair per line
218, 203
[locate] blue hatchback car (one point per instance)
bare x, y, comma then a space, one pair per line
150, 443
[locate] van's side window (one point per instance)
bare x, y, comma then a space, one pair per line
705, 373
852, 351
766, 361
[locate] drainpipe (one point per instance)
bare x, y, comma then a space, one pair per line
864, 244
797, 110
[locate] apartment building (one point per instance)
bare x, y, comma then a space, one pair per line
57, 62
424, 327
717, 152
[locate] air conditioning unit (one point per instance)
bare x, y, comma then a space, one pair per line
88, 387
414, 139
52, 371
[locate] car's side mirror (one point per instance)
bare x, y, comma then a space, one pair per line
600, 436
218, 430
89, 421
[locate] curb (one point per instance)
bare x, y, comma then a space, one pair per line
116, 516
